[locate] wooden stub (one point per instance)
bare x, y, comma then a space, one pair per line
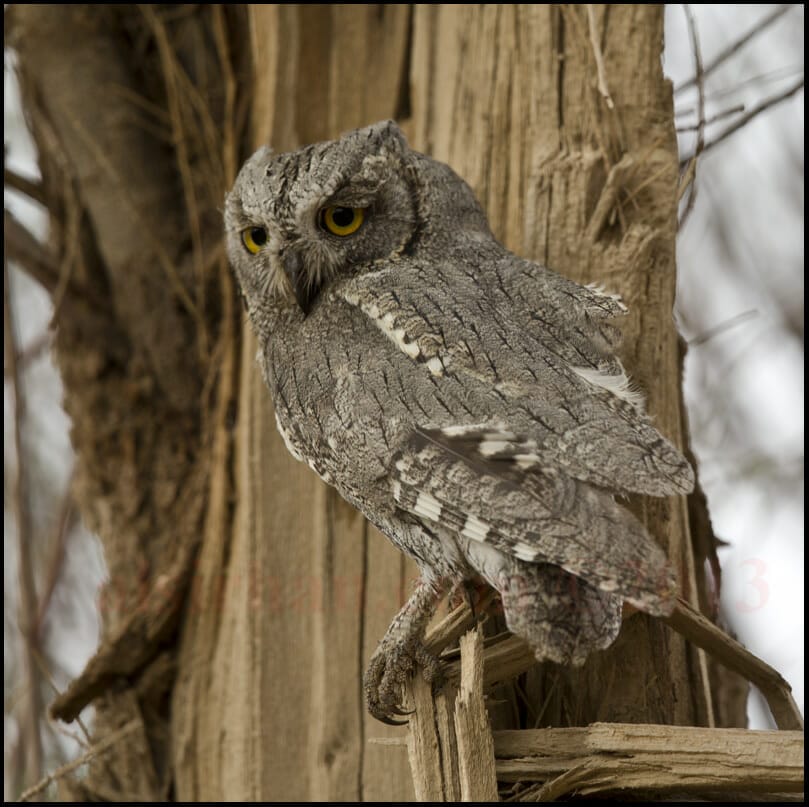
423, 746
611, 757
473, 733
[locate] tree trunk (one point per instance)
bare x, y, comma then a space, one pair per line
245, 597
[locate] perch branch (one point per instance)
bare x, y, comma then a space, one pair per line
512, 656
456, 623
727, 651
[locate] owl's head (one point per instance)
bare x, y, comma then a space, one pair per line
296, 221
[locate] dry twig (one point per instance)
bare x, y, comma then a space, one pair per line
28, 187
753, 113
56, 563
101, 747
734, 47
700, 82
599, 57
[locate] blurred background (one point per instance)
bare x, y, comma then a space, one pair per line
740, 309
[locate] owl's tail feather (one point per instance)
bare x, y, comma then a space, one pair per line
561, 616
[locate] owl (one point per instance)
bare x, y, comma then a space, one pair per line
467, 401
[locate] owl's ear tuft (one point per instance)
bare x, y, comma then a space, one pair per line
387, 134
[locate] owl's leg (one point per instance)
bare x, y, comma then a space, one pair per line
400, 650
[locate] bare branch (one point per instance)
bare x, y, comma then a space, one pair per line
22, 248
725, 113
727, 651
753, 113
28, 187
32, 352
28, 599
768, 77
34, 259
104, 745
57, 556
732, 322
700, 81
725, 54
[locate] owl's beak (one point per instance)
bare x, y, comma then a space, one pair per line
303, 290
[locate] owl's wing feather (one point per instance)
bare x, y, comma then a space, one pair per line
551, 370
537, 515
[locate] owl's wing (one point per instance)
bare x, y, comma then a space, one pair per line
550, 368
536, 514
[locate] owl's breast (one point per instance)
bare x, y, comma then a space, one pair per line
328, 376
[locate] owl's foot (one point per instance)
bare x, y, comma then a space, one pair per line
387, 674
399, 653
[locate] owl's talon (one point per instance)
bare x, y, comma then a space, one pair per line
388, 721
387, 674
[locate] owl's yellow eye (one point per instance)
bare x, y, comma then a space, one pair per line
342, 221
254, 238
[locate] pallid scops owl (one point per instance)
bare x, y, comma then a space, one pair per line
466, 400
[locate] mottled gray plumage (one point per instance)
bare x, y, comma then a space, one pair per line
467, 401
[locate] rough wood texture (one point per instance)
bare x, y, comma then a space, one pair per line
423, 746
612, 757
472, 730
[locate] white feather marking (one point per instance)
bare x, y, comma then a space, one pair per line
397, 491
500, 435
400, 465
602, 292
526, 460
428, 506
475, 529
525, 551
436, 366
287, 440
619, 384
458, 431
491, 447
